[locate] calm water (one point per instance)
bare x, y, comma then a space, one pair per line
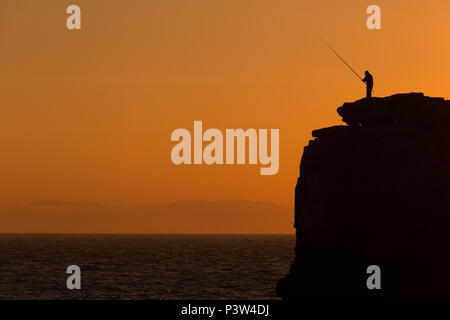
144, 266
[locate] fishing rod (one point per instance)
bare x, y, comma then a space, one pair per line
329, 47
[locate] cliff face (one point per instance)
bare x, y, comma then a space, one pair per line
375, 191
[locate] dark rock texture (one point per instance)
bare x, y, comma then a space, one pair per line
412, 109
375, 192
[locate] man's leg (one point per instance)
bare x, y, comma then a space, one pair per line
368, 91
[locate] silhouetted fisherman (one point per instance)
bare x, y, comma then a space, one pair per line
368, 79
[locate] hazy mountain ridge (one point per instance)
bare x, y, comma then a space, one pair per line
226, 216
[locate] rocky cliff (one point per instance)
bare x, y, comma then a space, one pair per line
375, 192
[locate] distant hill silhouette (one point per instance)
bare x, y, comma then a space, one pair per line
376, 191
231, 216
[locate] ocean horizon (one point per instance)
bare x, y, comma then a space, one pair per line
144, 266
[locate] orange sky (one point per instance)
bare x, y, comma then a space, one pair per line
87, 115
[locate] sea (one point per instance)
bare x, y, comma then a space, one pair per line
119, 266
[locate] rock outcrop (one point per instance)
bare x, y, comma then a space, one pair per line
375, 192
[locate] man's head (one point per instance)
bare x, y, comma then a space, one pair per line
366, 72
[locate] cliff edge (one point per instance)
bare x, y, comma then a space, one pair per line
375, 192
